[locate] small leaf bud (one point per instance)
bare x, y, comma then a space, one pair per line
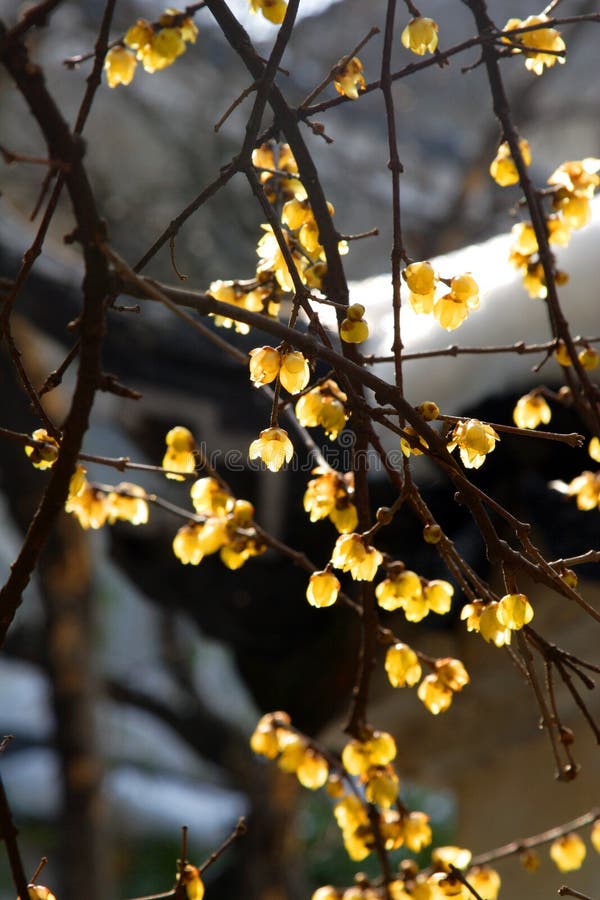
432, 533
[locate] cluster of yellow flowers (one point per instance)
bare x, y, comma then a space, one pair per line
227, 527
573, 183
291, 367
278, 173
331, 495
420, 35
156, 46
272, 10
324, 406
255, 295
452, 308
417, 597
543, 47
497, 620
412, 884
349, 78
94, 507
275, 738
438, 688
503, 168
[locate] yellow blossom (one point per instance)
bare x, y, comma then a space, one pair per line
411, 442
568, 852
578, 177
344, 515
514, 611
402, 665
438, 596
119, 65
453, 308
139, 35
39, 892
436, 697
274, 447
420, 35
180, 452
589, 358
351, 554
354, 331
349, 79
403, 590
270, 733
294, 372
594, 449
485, 881
422, 282
491, 628
562, 355
474, 440
595, 836
272, 259
210, 498
43, 457
323, 589
162, 50
329, 495
273, 10
324, 406
381, 786
444, 857
359, 756
542, 47
531, 410
451, 673
265, 363
186, 547
77, 483
417, 831
186, 26
586, 487
524, 239
576, 211
559, 231
280, 158
503, 168
313, 770
194, 886
130, 506
471, 613
89, 506
327, 892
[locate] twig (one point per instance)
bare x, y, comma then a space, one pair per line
535, 840
239, 831
9, 833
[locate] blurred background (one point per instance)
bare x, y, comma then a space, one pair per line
130, 683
